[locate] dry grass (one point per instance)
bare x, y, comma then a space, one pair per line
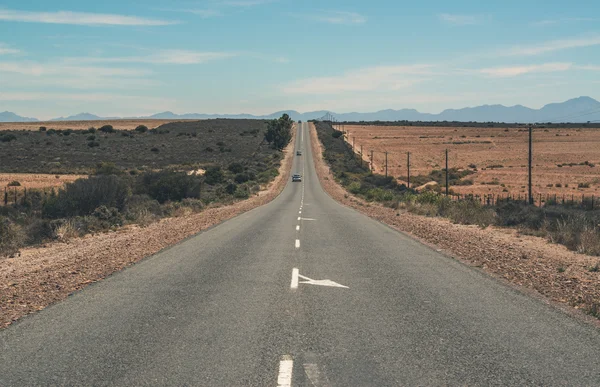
37, 181
495, 154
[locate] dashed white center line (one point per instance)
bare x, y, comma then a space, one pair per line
297, 243
298, 228
294, 284
299, 218
286, 365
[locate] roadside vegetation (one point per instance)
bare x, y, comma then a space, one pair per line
574, 226
114, 196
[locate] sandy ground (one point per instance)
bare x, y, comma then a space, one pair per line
532, 264
37, 181
76, 125
486, 147
44, 275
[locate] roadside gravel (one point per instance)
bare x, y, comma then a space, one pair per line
531, 263
43, 275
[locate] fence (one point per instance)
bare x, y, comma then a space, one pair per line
579, 200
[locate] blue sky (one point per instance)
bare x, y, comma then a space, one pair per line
130, 58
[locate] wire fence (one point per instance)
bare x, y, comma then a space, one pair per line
585, 201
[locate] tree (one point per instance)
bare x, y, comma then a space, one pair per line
279, 132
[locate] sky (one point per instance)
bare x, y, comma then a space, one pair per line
133, 58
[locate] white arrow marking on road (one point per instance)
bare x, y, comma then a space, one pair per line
326, 282
295, 274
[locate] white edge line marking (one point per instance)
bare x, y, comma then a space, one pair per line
297, 243
295, 275
286, 366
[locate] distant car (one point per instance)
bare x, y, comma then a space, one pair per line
296, 177
299, 153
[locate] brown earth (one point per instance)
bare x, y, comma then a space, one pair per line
531, 263
78, 125
487, 147
37, 181
44, 275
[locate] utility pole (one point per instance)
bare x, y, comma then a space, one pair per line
408, 168
371, 161
530, 164
447, 188
386, 164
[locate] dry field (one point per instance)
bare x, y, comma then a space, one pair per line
36, 181
496, 155
78, 125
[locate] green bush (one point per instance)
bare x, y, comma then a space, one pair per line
141, 129
337, 134
105, 168
166, 186
8, 138
354, 188
236, 168
107, 129
83, 196
241, 178
214, 175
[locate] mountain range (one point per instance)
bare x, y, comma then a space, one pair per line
582, 109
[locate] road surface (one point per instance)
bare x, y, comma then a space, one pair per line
302, 292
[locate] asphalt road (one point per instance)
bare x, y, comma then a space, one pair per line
227, 308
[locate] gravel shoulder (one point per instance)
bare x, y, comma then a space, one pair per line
532, 264
44, 275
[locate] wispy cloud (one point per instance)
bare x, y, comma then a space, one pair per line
173, 56
588, 67
463, 20
6, 50
550, 22
246, 3
380, 78
513, 71
204, 13
80, 18
337, 17
554, 45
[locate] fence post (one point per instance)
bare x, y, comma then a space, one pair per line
531, 200
372, 161
386, 164
447, 188
5, 197
408, 168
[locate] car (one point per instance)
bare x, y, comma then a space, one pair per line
299, 153
296, 177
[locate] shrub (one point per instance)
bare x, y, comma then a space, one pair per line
337, 134
236, 168
166, 186
92, 130
107, 129
11, 237
83, 196
231, 188
42, 129
14, 183
209, 149
155, 149
241, 178
105, 168
91, 138
583, 185
354, 188
93, 144
141, 129
109, 217
471, 212
214, 175
8, 138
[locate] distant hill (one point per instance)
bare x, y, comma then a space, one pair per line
582, 109
84, 117
12, 117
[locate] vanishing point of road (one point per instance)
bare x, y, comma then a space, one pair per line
300, 292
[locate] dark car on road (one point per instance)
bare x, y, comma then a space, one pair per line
296, 177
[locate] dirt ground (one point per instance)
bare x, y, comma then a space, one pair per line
78, 125
534, 265
44, 275
496, 155
37, 181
